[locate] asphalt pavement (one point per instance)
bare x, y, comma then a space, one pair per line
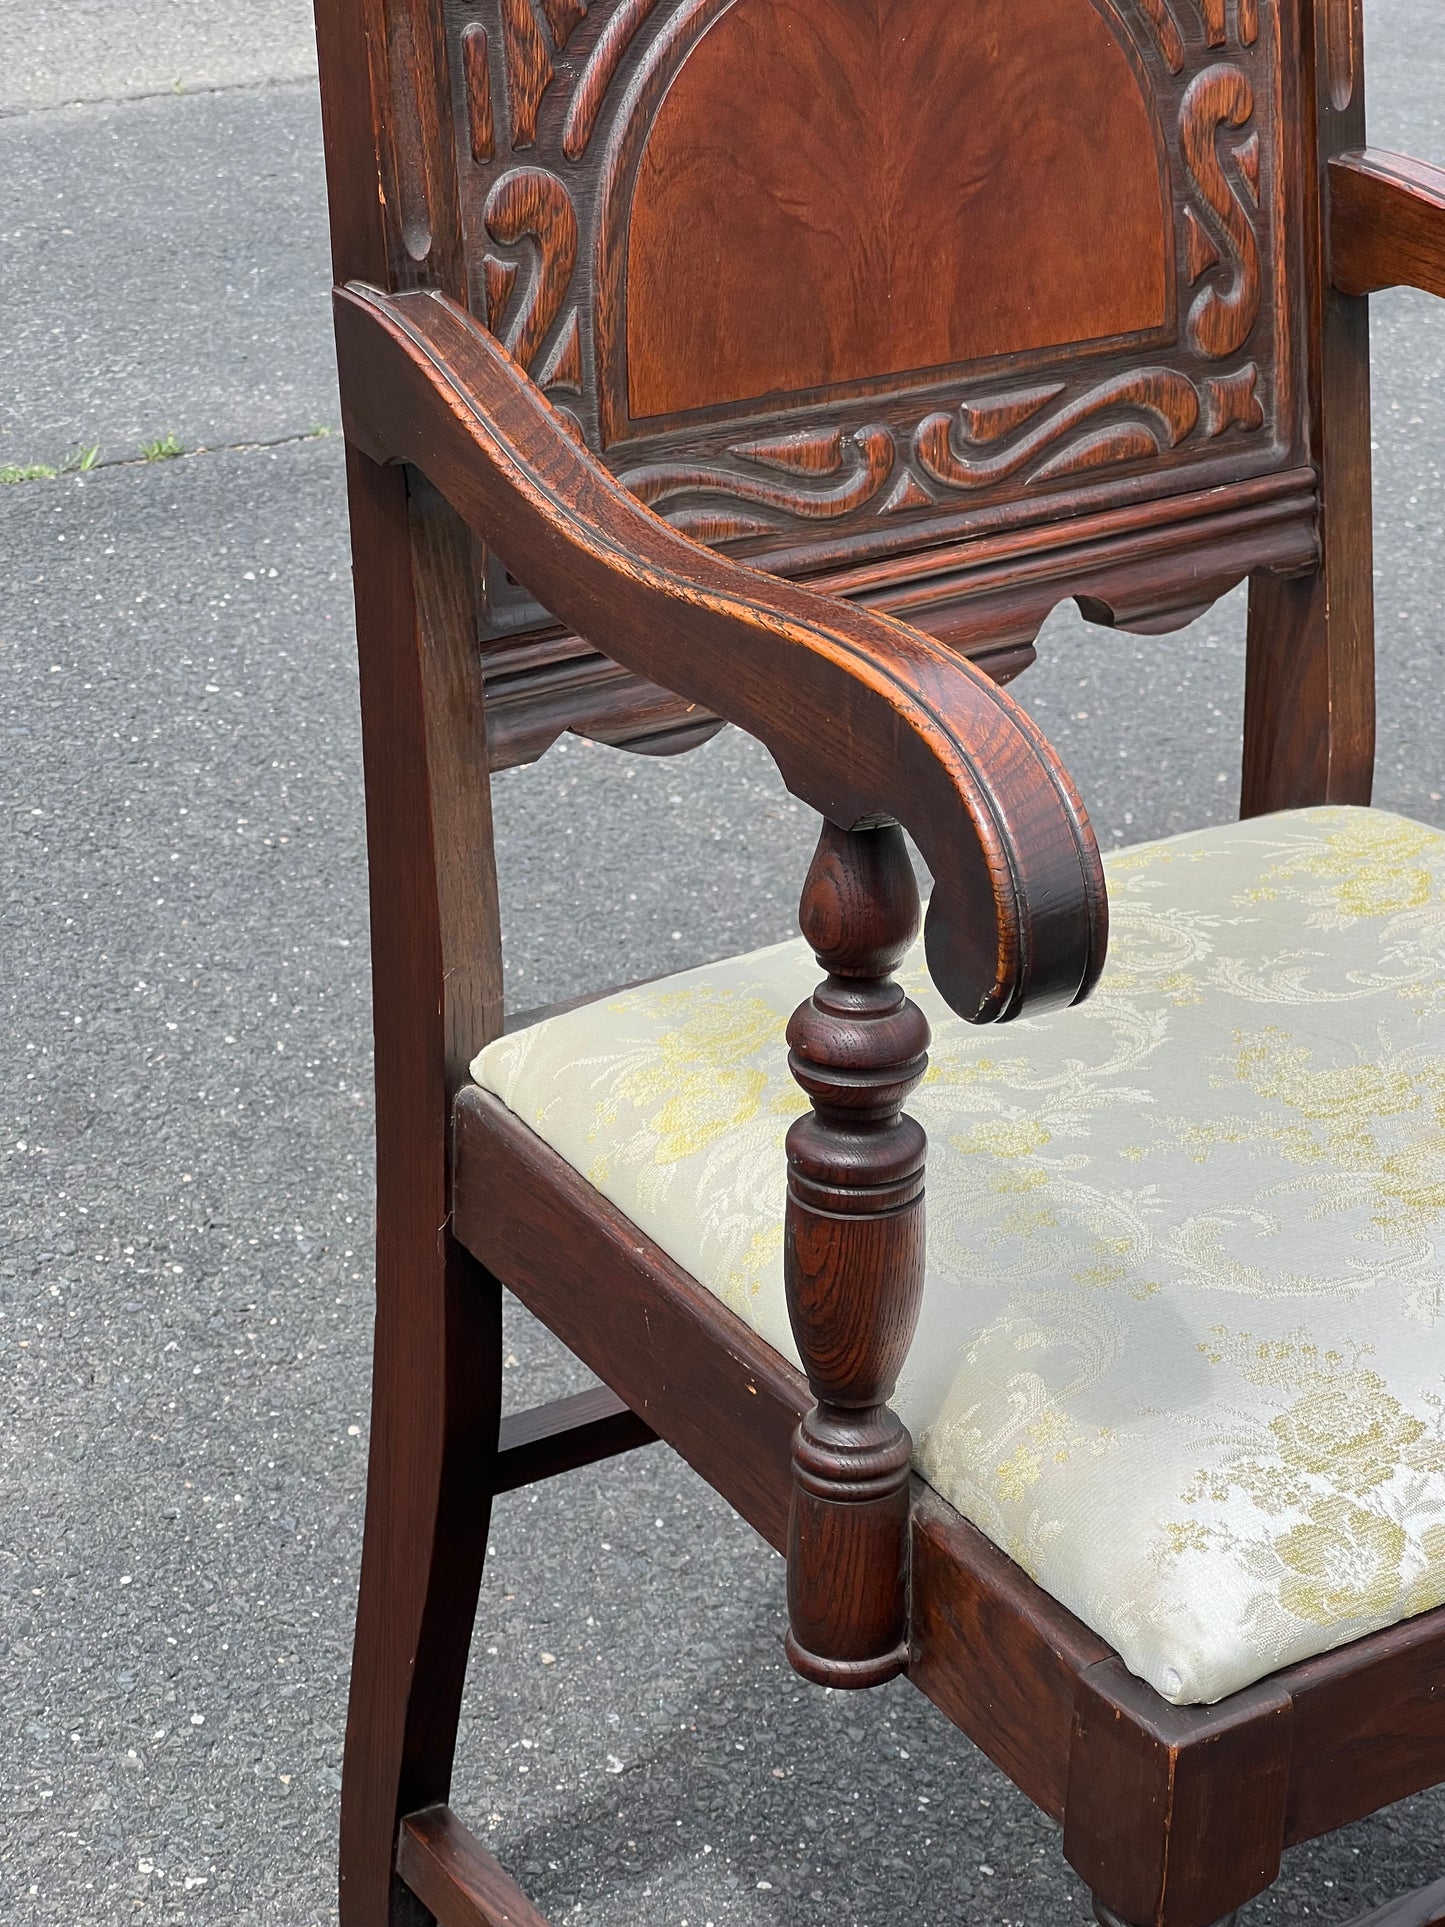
185, 1105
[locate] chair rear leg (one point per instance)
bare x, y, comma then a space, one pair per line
436, 1402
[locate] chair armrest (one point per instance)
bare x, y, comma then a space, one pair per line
865, 717
1386, 223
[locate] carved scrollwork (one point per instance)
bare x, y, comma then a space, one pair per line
526, 203
597, 76
1232, 401
1221, 318
861, 464
477, 78
1171, 40
529, 68
564, 17
1159, 405
1216, 22
896, 456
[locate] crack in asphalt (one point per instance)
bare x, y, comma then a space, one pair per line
201, 90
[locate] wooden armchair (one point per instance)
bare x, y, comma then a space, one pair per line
784, 362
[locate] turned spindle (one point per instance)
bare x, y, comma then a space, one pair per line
854, 1260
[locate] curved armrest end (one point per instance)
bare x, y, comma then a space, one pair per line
865, 717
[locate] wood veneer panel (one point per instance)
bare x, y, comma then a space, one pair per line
839, 193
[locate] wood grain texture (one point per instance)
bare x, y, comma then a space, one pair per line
598, 74
528, 204
529, 68
1159, 408
1222, 318
821, 184
1161, 16
455, 1877
551, 1439
437, 990
477, 79
678, 1357
998, 1656
853, 1258
390, 159
1174, 1817
1309, 707
877, 720
1386, 224
1380, 1726
1224, 246
831, 477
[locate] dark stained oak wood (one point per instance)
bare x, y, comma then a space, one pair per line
931, 316
853, 1255
1387, 223
569, 1433
994, 1652
809, 163
1381, 1726
1005, 1662
878, 720
1309, 705
1170, 1817
438, 1320
455, 1877
678, 1357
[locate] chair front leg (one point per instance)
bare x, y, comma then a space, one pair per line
853, 1261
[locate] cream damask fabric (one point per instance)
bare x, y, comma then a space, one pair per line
1181, 1353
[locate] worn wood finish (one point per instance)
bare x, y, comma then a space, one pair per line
571, 1432
455, 1877
438, 1316
909, 438
877, 720
1387, 223
1379, 1726
1169, 1817
853, 1255
1005, 1662
1309, 705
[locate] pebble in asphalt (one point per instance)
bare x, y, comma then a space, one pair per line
184, 1262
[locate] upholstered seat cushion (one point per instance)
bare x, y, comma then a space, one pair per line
1181, 1353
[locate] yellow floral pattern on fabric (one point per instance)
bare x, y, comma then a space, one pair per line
1182, 1348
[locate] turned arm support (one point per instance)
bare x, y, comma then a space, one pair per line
874, 725
866, 718
1387, 223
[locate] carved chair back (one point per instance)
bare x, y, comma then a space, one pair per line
957, 307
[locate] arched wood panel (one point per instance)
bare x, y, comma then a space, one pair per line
842, 193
